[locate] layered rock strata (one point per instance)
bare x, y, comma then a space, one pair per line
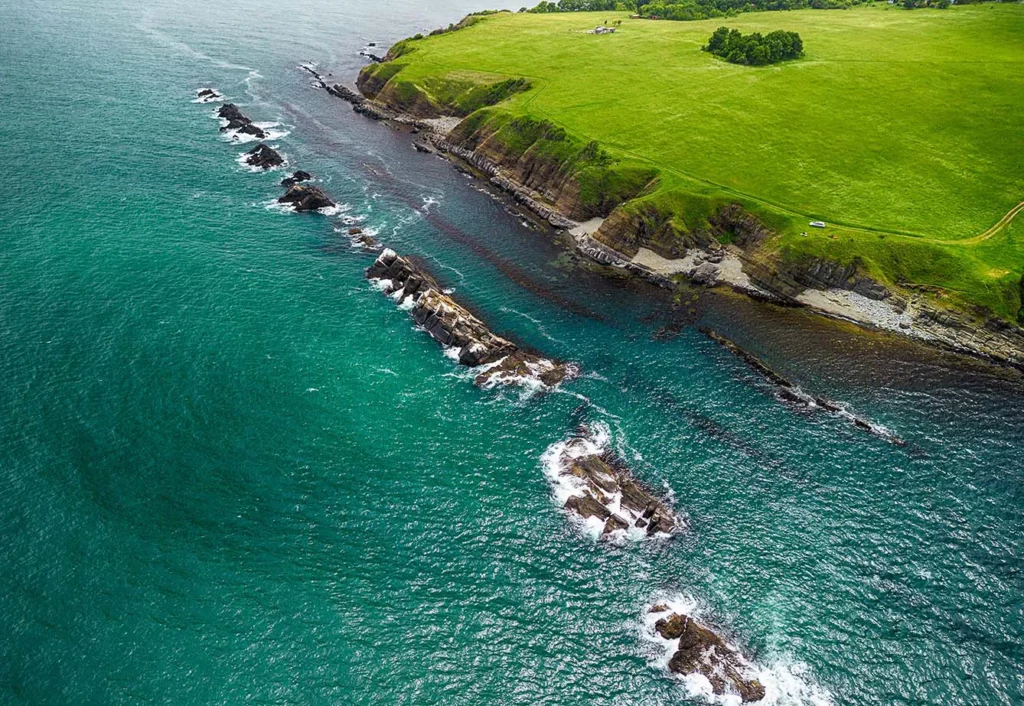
498, 360
603, 491
699, 650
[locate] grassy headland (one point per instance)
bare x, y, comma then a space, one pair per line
902, 130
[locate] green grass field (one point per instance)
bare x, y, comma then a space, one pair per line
904, 130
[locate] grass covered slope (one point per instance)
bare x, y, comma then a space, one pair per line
902, 130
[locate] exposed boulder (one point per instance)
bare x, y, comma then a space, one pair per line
238, 122
263, 157
699, 650
304, 197
207, 95
369, 242
295, 178
605, 489
453, 326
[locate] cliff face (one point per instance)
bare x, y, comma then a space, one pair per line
636, 226
581, 180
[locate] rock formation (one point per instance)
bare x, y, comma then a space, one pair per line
207, 95
500, 361
238, 122
603, 488
306, 198
263, 157
295, 178
699, 650
793, 394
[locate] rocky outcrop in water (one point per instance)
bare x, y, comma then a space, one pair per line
208, 95
238, 122
304, 197
499, 361
794, 395
699, 650
264, 157
603, 489
295, 178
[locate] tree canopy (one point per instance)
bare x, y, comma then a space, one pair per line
691, 9
755, 49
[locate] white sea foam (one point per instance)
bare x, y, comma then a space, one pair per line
274, 131
564, 485
334, 210
428, 201
786, 682
556, 461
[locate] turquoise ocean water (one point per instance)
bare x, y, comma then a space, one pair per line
232, 472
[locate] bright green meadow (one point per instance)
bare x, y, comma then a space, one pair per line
901, 129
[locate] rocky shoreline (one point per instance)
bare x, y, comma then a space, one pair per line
497, 361
824, 287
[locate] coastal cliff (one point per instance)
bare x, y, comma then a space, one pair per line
660, 235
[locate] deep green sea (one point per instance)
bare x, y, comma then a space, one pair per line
231, 471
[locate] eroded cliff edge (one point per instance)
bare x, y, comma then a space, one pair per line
621, 216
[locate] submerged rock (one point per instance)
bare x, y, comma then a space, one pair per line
238, 122
699, 650
791, 393
263, 157
369, 242
306, 198
295, 178
605, 489
453, 326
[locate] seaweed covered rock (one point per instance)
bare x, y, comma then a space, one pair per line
264, 157
500, 361
304, 197
699, 650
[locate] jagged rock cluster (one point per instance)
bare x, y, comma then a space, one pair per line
306, 198
701, 651
208, 95
237, 122
606, 490
302, 197
450, 324
264, 157
296, 178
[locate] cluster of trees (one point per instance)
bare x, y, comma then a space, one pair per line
581, 6
693, 9
755, 49
940, 4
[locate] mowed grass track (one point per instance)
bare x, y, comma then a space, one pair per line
904, 130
